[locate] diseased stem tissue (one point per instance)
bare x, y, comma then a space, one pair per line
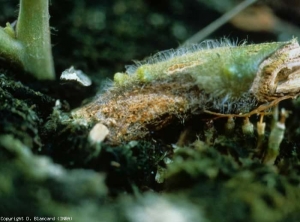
213, 77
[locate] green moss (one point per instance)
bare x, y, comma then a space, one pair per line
18, 115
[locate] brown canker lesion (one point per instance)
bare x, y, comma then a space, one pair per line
179, 67
132, 113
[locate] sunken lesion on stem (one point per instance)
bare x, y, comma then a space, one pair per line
30, 45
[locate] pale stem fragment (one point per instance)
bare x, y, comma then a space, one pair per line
202, 34
229, 126
260, 128
275, 139
247, 128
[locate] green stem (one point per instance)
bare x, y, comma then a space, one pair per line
11, 48
34, 34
